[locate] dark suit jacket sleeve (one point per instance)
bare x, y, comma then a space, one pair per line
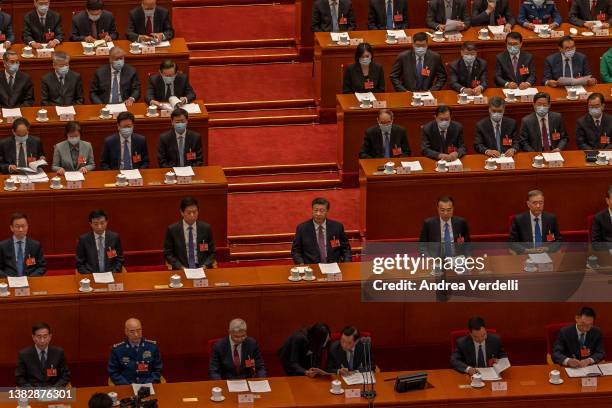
457, 360
524, 138
81, 257
74, 30
145, 154
479, 139
430, 18
315, 22
167, 29
514, 238
44, 91
28, 92
135, 84
548, 70
372, 23
298, 348
130, 33
397, 74
574, 14
78, 93
461, 150
453, 77
63, 372
499, 79
532, 71
559, 348
260, 366
189, 92
105, 162
405, 144
150, 90
27, 35
162, 152
333, 362
96, 89
119, 259
440, 75
210, 258
347, 256
10, 34
41, 264
484, 82
426, 147
58, 29
560, 127
216, 360
366, 147
598, 353
296, 248
170, 250
478, 17
466, 15
21, 371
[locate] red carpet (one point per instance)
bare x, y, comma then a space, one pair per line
277, 213
263, 82
233, 147
235, 22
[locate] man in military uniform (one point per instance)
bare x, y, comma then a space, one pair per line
135, 360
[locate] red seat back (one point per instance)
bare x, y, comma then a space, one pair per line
552, 331
590, 226
211, 343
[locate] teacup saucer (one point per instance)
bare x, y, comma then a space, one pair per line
556, 382
538, 167
10, 188
6, 294
105, 117
221, 398
27, 56
340, 391
57, 188
391, 42
292, 279
89, 54
575, 98
152, 116
442, 171
122, 184
484, 38
439, 39
180, 285
86, 290
309, 279
601, 164
362, 106
416, 104
478, 386
389, 172
491, 169
463, 103
170, 182
42, 120
136, 52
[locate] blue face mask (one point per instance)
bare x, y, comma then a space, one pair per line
180, 127
42, 8
63, 70
126, 132
74, 140
168, 80
514, 49
21, 139
443, 124
469, 59
496, 116
365, 61
420, 51
541, 110
118, 64
12, 68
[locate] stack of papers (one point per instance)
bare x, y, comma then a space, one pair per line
359, 378
65, 110
195, 273
183, 171
365, 95
330, 268
590, 371
556, 156
136, 387
17, 281
162, 44
565, 81
237, 386
74, 176
336, 36
540, 27
399, 34
11, 113
192, 108
542, 258
423, 95
116, 108
493, 373
40, 177
103, 277
413, 165
33, 166
244, 386
504, 159
578, 88
596, 23
521, 92
132, 174
260, 386
499, 29
452, 25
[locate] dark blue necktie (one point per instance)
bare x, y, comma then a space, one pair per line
20, 264
419, 76
481, 359
582, 339
538, 233
351, 360
448, 249
498, 137
387, 145
127, 160
389, 15
190, 248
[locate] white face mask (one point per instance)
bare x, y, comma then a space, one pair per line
94, 17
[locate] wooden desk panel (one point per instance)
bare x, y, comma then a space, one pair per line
87, 65
67, 8
353, 121
95, 130
139, 214
394, 207
330, 57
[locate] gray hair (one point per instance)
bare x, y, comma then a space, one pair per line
60, 56
116, 51
237, 325
534, 193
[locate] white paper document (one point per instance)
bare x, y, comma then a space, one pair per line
540, 27
596, 23
542, 258
196, 273
359, 378
452, 25
40, 177
521, 92
365, 95
186, 171
498, 29
17, 281
606, 369
336, 36
11, 113
423, 95
74, 176
329, 268
260, 386
192, 108
574, 82
96, 43
608, 153
399, 34
116, 108
413, 165
136, 387
162, 44
65, 110
33, 166
556, 156
456, 162
578, 88
237, 386
589, 371
103, 277
504, 160
133, 174
493, 373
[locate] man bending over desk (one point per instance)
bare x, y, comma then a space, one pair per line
580, 344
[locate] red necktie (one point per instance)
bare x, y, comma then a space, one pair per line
593, 11
322, 245
94, 30
236, 358
149, 26
545, 144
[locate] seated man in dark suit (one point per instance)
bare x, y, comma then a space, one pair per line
534, 12
236, 356
593, 130
42, 26
580, 344
189, 243
20, 255
567, 63
535, 231
495, 135
492, 12
469, 73
543, 131
20, 149
320, 240
601, 230
364, 75
347, 354
63, 86
100, 249
478, 349
584, 12
388, 14
440, 11
419, 68
115, 83
16, 87
442, 138
169, 83
326, 18
302, 352
94, 24
444, 235
179, 147
149, 22
385, 139
7, 35
514, 68
42, 365
125, 150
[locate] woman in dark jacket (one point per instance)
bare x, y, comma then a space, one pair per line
364, 75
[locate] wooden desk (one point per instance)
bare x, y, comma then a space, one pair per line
139, 214
394, 207
528, 386
95, 130
67, 8
353, 121
87, 65
330, 57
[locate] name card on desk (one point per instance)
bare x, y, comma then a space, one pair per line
526, 98
602, 32
352, 393
72, 185
454, 37
136, 182
102, 51
147, 49
44, 52
246, 398
557, 34
499, 386
500, 36
480, 100
200, 283
22, 291
589, 382
27, 186
430, 102
115, 287
379, 104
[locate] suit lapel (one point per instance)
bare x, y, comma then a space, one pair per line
436, 233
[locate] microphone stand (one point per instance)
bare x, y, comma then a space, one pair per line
368, 392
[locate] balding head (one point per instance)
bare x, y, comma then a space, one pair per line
133, 330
